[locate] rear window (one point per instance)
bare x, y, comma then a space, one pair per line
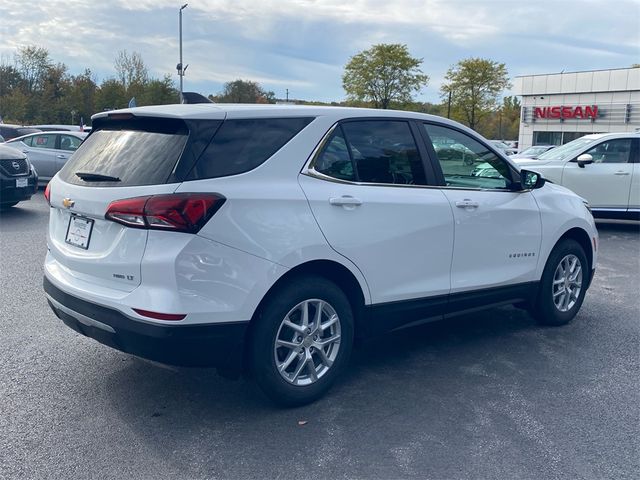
242, 145
135, 157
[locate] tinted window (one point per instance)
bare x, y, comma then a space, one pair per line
46, 140
612, 151
135, 157
334, 160
466, 162
384, 151
242, 145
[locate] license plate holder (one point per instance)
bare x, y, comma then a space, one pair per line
22, 182
79, 231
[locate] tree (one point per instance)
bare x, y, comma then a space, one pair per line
111, 95
475, 85
503, 123
82, 93
383, 74
32, 62
9, 79
244, 91
159, 92
130, 69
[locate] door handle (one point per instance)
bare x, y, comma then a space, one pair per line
62, 156
467, 203
621, 173
345, 201
25, 151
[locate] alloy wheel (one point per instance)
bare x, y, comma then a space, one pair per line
567, 283
307, 342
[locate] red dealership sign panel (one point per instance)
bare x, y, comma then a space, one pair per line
588, 111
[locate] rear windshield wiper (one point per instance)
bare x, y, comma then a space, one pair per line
96, 177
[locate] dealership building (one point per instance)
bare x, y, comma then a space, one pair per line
560, 107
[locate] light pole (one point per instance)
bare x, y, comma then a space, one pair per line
179, 66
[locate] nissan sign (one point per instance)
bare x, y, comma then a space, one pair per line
562, 112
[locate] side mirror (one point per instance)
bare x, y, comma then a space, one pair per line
584, 159
530, 180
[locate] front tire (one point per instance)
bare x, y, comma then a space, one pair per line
302, 340
563, 285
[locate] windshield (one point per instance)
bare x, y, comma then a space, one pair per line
567, 150
534, 150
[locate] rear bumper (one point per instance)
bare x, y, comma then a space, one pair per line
219, 344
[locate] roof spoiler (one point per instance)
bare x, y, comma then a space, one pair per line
193, 97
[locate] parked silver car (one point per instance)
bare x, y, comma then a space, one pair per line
48, 151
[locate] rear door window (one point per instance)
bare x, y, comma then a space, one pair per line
334, 160
384, 151
47, 140
242, 145
372, 151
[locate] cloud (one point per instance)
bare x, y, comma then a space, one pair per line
303, 45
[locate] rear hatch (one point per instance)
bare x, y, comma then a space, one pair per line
125, 156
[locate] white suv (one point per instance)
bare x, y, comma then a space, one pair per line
271, 237
603, 168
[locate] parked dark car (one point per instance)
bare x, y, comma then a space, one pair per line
18, 178
13, 131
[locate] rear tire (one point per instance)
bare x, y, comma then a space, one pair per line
295, 356
563, 285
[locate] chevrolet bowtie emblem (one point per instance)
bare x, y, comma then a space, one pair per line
68, 203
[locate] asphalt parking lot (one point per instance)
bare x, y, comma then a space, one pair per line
490, 395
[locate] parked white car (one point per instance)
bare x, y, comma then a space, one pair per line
272, 236
48, 151
602, 168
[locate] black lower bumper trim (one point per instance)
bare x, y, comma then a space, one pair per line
216, 344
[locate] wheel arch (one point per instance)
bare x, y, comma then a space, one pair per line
332, 271
582, 237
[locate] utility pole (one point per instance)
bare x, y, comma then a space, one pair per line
179, 66
449, 106
287, 95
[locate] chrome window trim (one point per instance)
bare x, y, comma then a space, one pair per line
309, 171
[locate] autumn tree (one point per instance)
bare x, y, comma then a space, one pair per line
383, 74
244, 91
32, 63
475, 85
130, 69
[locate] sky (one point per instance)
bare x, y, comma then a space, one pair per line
303, 45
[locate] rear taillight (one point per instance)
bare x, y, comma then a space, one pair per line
47, 193
181, 212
